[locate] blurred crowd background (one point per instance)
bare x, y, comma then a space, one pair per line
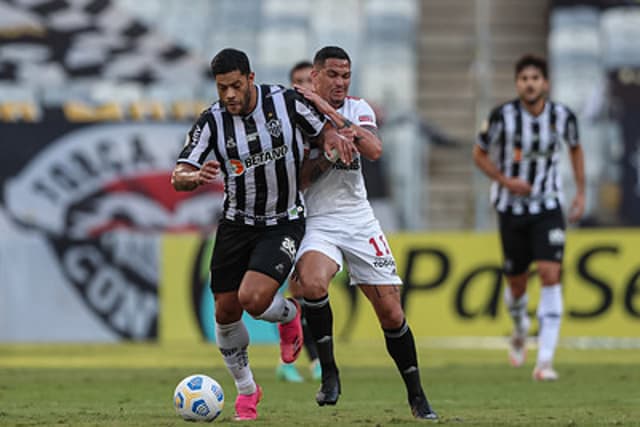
96, 97
433, 68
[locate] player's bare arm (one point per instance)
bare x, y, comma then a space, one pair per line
186, 177
516, 186
577, 162
365, 139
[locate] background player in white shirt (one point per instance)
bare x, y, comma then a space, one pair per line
341, 225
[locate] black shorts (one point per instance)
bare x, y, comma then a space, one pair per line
526, 238
238, 248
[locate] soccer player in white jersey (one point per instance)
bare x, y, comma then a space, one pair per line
341, 226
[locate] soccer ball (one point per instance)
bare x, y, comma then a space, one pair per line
198, 398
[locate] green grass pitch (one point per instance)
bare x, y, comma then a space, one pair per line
132, 385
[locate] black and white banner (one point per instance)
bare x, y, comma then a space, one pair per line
82, 211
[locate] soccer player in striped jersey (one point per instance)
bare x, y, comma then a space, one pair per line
519, 149
255, 134
341, 226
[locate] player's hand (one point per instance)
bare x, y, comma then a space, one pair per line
208, 173
518, 186
340, 145
577, 208
322, 105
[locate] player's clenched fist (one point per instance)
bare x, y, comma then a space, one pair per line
209, 172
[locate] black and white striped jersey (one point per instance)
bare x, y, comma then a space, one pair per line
260, 154
528, 147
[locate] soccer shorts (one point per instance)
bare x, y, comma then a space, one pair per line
238, 248
526, 238
363, 246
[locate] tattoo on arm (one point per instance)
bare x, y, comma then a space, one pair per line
312, 170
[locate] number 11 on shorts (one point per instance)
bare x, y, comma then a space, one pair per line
382, 240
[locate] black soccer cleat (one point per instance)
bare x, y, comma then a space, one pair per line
421, 409
330, 389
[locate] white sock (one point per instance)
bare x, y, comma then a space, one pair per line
232, 340
281, 310
518, 310
549, 318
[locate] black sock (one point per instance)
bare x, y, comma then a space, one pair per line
402, 348
320, 322
309, 343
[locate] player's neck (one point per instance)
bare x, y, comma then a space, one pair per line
253, 99
536, 108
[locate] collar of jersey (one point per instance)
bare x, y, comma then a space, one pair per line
542, 113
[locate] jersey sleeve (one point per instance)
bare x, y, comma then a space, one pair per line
198, 143
491, 129
304, 114
571, 130
364, 115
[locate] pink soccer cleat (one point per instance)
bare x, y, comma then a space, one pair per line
291, 338
246, 405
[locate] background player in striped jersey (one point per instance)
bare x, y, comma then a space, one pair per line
300, 74
527, 135
255, 133
341, 223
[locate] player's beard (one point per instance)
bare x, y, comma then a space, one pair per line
532, 100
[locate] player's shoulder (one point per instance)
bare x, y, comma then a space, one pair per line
355, 100
563, 108
208, 114
499, 111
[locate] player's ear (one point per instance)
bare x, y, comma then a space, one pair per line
251, 78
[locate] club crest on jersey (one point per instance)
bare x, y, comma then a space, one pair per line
274, 126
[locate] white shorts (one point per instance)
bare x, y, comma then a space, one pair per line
363, 246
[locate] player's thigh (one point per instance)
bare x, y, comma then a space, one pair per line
315, 270
230, 259
385, 300
319, 259
548, 245
515, 239
256, 292
275, 250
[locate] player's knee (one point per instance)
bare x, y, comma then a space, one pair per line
253, 303
549, 276
313, 285
226, 315
390, 316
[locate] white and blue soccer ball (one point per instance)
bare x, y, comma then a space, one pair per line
198, 398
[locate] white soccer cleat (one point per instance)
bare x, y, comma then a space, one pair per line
544, 373
517, 349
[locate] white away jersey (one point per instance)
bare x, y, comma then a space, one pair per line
340, 192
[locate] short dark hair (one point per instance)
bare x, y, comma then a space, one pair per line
529, 60
228, 60
301, 65
329, 52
